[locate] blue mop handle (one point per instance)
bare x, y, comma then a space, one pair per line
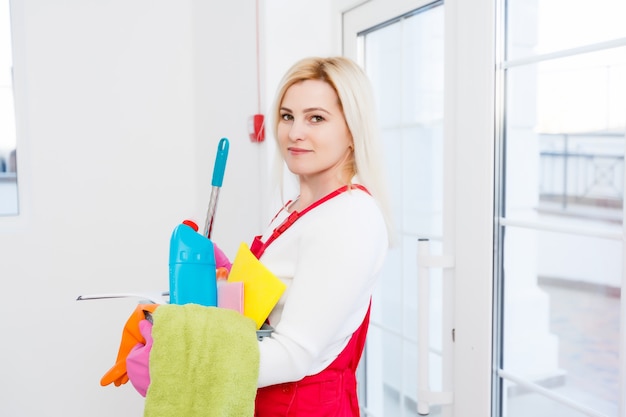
216, 183
220, 163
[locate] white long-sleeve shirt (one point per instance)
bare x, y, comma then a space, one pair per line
329, 259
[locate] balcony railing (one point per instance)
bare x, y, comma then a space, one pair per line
582, 174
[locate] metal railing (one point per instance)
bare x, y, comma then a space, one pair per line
582, 171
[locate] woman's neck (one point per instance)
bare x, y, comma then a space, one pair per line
311, 191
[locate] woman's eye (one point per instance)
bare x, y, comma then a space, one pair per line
286, 116
316, 119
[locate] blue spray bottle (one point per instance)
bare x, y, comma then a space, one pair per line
192, 268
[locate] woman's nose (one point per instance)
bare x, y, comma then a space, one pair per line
297, 130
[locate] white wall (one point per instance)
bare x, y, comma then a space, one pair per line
120, 108
291, 30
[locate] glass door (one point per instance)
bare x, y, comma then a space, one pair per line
404, 58
560, 233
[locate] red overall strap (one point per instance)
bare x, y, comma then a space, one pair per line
258, 246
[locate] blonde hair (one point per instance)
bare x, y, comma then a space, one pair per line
357, 102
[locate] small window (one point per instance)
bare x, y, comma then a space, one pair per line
8, 164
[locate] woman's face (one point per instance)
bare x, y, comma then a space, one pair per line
313, 136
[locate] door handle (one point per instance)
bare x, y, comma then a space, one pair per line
425, 262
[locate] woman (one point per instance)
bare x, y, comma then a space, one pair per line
334, 244
327, 245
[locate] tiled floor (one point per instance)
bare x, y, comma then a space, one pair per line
587, 326
586, 322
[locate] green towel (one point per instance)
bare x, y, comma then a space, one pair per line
204, 362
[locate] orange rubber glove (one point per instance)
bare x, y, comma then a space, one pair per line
130, 337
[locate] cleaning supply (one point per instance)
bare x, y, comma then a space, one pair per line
230, 295
131, 336
221, 273
138, 360
262, 289
221, 260
216, 183
192, 276
204, 363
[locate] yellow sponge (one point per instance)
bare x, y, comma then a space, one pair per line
261, 288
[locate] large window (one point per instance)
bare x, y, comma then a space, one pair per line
8, 165
560, 215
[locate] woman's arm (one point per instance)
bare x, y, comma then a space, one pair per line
334, 254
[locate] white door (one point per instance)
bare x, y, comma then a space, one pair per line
431, 319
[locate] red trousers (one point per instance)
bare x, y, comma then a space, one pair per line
330, 393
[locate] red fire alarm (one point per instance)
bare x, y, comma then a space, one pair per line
256, 128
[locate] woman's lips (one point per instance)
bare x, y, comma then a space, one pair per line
298, 151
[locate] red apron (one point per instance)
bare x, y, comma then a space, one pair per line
333, 391
330, 393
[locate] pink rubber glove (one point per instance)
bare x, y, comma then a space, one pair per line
221, 260
137, 361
